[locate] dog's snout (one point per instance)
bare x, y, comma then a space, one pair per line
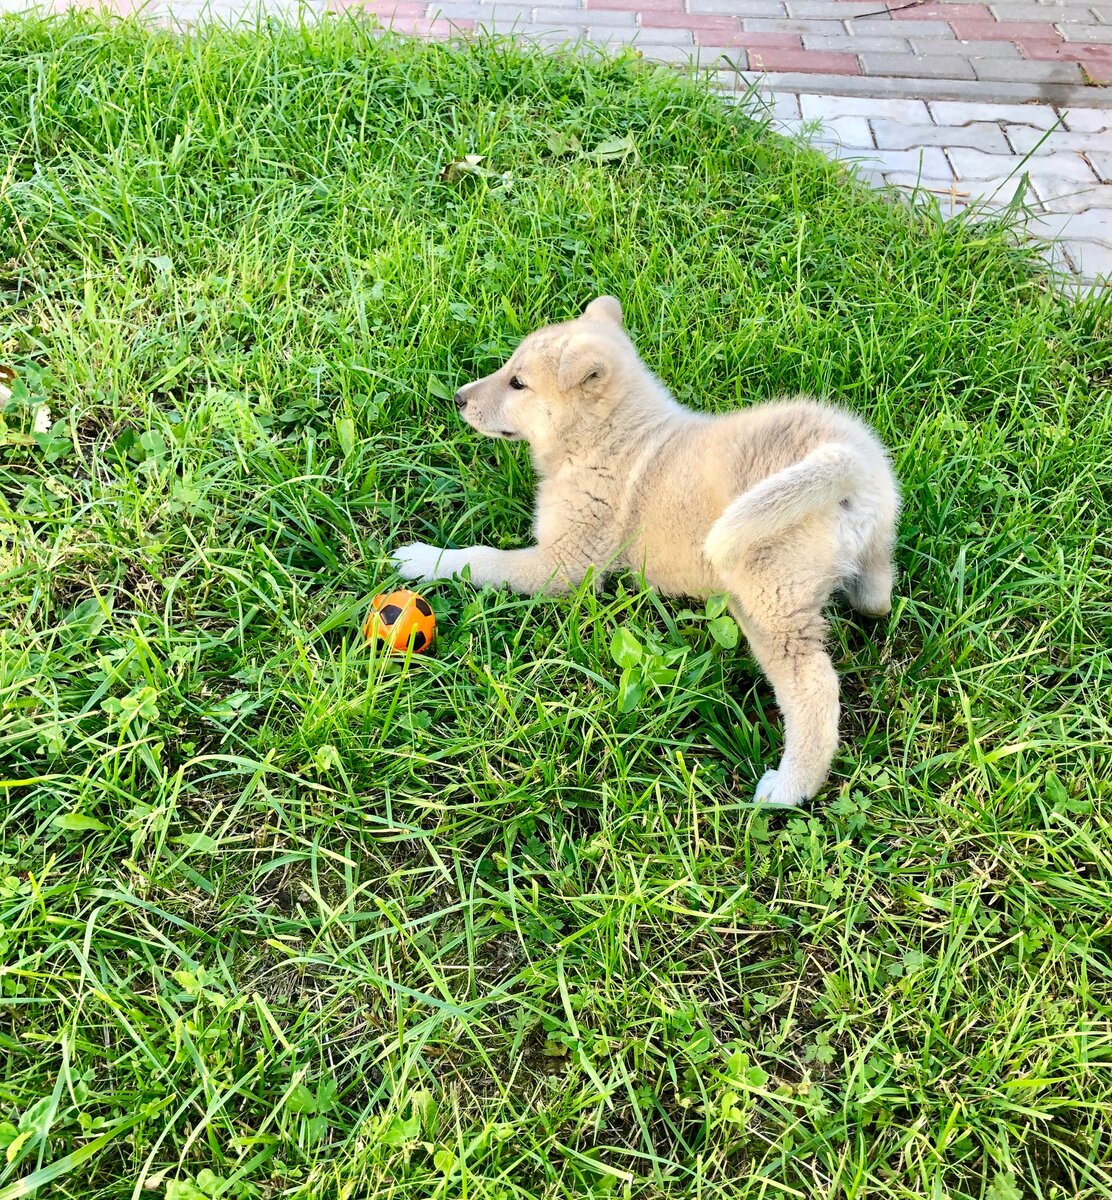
461, 401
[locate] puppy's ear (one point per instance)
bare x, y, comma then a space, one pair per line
584, 360
605, 308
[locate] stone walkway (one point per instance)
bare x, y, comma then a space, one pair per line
968, 101
979, 152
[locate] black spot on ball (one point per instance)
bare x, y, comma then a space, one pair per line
390, 613
418, 640
423, 607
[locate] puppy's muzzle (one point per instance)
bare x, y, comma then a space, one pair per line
461, 400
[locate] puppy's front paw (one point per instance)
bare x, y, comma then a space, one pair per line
417, 561
774, 792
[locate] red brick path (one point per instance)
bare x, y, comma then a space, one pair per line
1068, 42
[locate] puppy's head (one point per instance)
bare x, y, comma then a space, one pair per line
560, 377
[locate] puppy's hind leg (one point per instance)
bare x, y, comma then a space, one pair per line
867, 527
870, 587
779, 607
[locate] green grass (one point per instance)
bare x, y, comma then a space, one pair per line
281, 918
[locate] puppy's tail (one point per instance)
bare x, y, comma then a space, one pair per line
829, 474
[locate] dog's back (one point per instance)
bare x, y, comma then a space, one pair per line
797, 462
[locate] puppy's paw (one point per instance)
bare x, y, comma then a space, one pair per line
774, 792
417, 561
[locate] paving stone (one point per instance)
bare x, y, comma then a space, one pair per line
916, 66
966, 49
576, 11
930, 161
293, 10
617, 18
980, 135
784, 107
637, 5
943, 189
1052, 49
657, 19
578, 31
1087, 120
975, 164
1017, 10
1055, 257
852, 132
970, 90
838, 152
790, 25
870, 27
1001, 190
1096, 70
1095, 225
661, 37
1085, 33
602, 17
1092, 260
722, 58
518, 25
757, 41
171, 16
942, 12
1067, 195
485, 12
960, 112
973, 31
735, 85
1024, 140
826, 107
380, 8
855, 45
1033, 72
862, 172
234, 12
810, 61
443, 28
739, 8
843, 10
885, 162
1102, 165
705, 56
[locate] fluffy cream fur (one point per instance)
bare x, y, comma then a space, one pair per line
778, 505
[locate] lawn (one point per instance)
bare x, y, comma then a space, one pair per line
284, 917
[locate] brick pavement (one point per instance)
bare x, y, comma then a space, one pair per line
968, 152
963, 99
1025, 51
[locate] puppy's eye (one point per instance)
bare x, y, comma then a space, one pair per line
516, 384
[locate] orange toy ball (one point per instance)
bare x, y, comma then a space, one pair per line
401, 620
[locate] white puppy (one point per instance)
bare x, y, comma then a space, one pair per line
777, 505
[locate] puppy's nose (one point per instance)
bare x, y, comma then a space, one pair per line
461, 401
